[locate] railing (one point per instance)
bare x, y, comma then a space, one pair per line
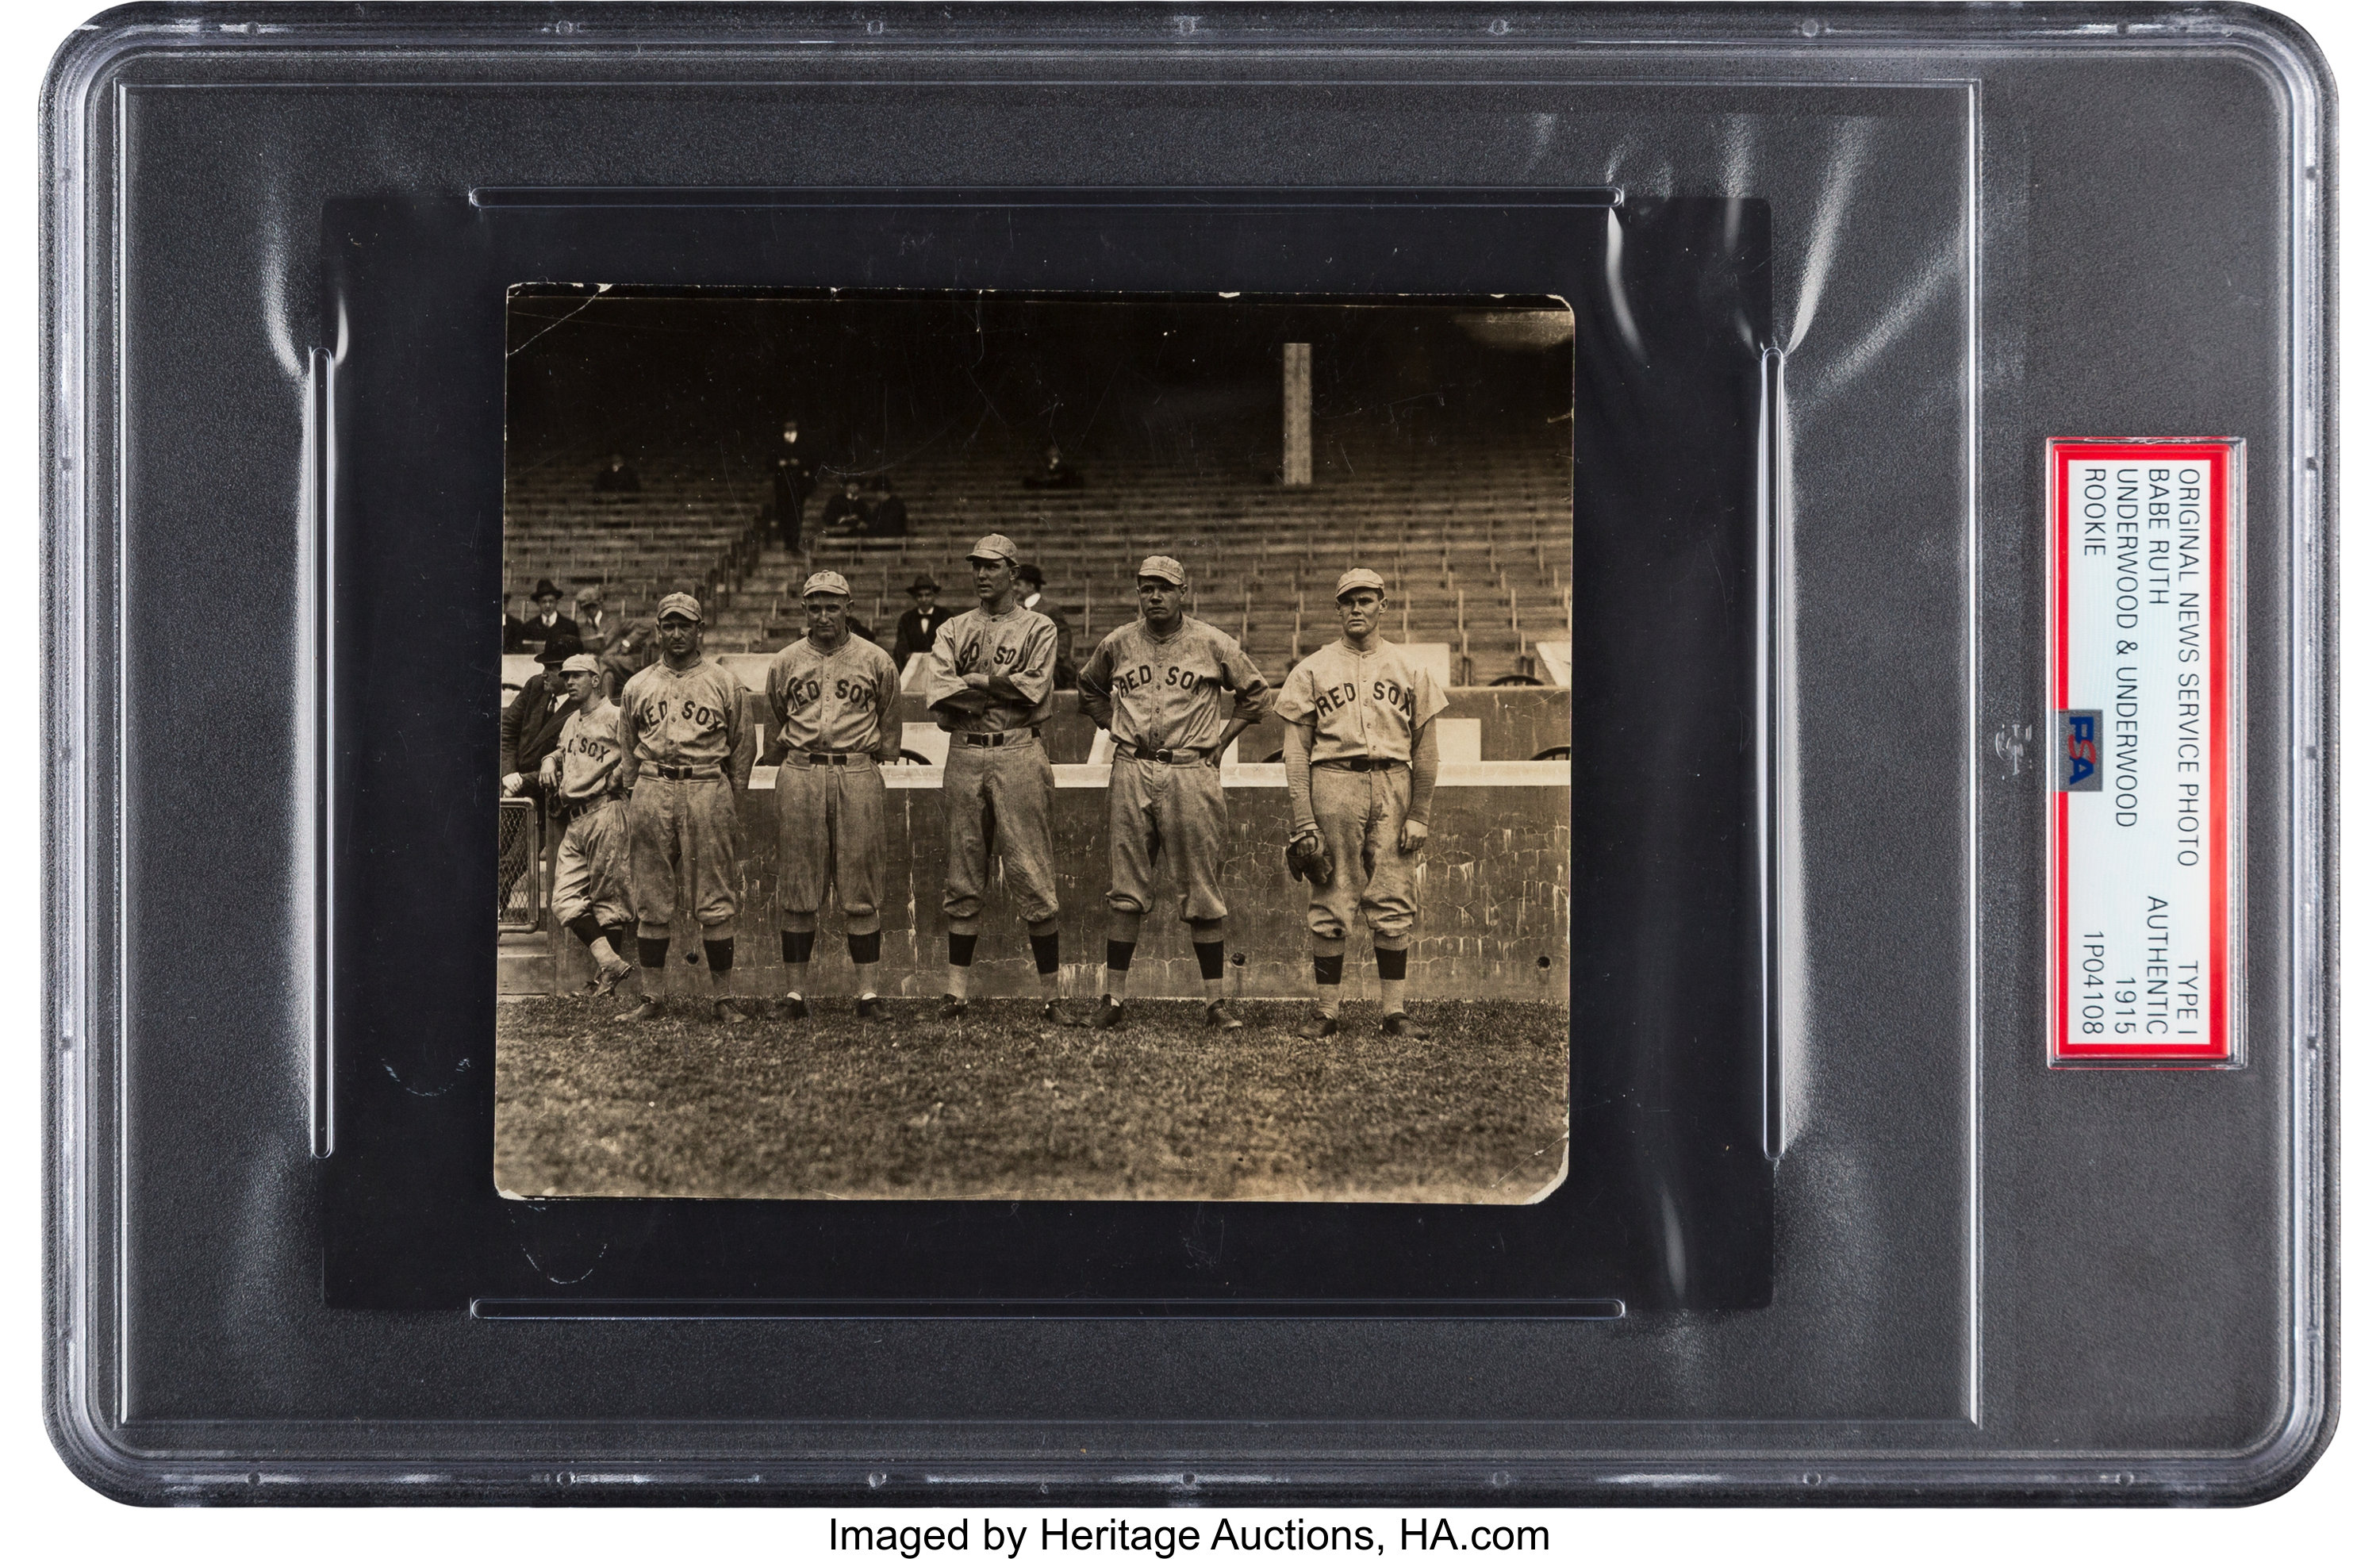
520, 864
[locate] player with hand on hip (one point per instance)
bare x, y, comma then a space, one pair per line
591, 868
836, 699
1361, 753
989, 684
1174, 692
685, 758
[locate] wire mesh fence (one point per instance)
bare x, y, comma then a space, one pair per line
520, 849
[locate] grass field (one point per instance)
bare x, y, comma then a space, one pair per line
1000, 1105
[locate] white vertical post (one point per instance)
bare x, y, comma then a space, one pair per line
1297, 414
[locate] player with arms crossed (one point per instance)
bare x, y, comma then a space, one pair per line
989, 684
1174, 692
683, 760
591, 868
836, 699
1362, 759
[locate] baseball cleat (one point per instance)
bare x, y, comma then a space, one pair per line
644, 1011
1398, 1025
870, 1009
789, 1006
1220, 1015
610, 979
954, 1007
1052, 1013
1110, 1014
1317, 1026
726, 1011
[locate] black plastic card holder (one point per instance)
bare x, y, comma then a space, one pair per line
1845, 1217
1666, 1204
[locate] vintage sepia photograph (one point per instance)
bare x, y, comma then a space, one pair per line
1016, 746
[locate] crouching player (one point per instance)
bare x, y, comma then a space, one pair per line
1174, 692
591, 868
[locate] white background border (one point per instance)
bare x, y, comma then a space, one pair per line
52, 1513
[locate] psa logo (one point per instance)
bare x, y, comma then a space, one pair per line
2078, 759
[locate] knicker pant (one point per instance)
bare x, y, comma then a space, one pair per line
1003, 791
682, 827
830, 831
1174, 810
591, 868
1360, 816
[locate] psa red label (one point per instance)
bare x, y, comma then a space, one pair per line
2140, 788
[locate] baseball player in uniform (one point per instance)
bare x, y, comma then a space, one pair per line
835, 698
683, 759
1174, 692
590, 870
1362, 759
988, 683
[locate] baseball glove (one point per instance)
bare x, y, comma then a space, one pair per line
1309, 858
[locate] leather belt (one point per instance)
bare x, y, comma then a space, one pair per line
1162, 754
1359, 765
573, 810
998, 739
821, 759
684, 771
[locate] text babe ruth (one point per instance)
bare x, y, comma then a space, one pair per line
835, 699
685, 757
1361, 750
1174, 692
990, 683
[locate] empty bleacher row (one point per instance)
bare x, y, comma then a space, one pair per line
1471, 527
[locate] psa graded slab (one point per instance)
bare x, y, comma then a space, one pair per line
974, 747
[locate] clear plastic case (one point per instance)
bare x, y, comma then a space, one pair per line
1988, 230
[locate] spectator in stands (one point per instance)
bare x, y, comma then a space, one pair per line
844, 513
790, 482
618, 476
595, 624
1029, 584
919, 623
887, 515
1053, 471
632, 647
549, 628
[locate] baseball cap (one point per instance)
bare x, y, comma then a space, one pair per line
582, 663
1163, 568
588, 595
826, 581
682, 603
1360, 578
994, 548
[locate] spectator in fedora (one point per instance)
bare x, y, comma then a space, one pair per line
843, 513
542, 634
917, 624
1033, 597
791, 479
1053, 471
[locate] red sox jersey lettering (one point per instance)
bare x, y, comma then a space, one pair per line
689, 717
1175, 692
832, 702
591, 752
1361, 706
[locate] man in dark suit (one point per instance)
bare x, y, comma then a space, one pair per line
791, 479
916, 634
1031, 593
549, 628
531, 730
843, 513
